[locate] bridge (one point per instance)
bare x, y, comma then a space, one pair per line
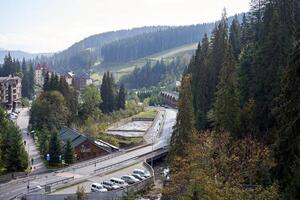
82, 171
170, 98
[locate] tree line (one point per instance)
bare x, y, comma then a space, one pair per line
243, 81
59, 105
150, 43
160, 73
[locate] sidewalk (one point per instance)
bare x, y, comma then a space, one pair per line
22, 121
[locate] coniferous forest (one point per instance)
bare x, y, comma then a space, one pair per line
237, 130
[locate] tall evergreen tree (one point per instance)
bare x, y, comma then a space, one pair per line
54, 149
121, 98
235, 37
107, 91
201, 83
69, 155
17, 158
226, 106
287, 114
185, 122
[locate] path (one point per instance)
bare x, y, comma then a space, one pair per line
22, 122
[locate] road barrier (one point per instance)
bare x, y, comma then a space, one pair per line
109, 195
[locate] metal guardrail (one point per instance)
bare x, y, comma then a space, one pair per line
16, 181
127, 160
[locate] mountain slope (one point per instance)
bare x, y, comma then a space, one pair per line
87, 51
126, 45
21, 54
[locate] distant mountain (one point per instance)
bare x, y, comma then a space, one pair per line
87, 51
21, 54
126, 45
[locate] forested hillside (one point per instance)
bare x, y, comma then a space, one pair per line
160, 73
125, 45
151, 43
83, 54
237, 130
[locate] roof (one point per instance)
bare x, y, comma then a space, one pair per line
9, 78
83, 75
69, 74
73, 135
77, 138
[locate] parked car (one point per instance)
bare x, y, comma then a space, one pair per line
12, 117
137, 176
110, 185
130, 179
119, 182
142, 173
97, 187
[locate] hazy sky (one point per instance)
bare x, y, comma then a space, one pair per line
53, 25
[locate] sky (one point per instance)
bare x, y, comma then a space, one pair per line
39, 26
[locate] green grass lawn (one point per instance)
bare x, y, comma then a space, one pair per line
151, 114
120, 141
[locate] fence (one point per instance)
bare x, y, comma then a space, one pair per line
10, 176
110, 195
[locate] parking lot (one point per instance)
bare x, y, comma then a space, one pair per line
98, 179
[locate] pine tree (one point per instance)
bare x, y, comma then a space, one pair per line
54, 149
185, 122
200, 83
69, 153
121, 98
46, 86
108, 93
287, 114
235, 37
7, 68
31, 80
226, 107
25, 80
16, 158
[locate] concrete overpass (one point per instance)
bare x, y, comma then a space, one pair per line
170, 98
82, 171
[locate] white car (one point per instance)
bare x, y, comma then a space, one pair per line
137, 176
110, 185
129, 179
142, 173
119, 182
97, 187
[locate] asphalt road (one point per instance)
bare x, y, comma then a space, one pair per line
79, 172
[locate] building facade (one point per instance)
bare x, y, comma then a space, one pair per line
85, 148
10, 91
81, 81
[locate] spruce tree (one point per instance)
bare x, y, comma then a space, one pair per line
121, 98
46, 86
185, 122
108, 93
16, 158
69, 153
200, 83
54, 149
287, 112
235, 37
226, 107
31, 80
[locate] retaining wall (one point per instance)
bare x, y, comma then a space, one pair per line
110, 195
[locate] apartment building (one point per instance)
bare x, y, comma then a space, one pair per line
10, 91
